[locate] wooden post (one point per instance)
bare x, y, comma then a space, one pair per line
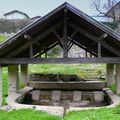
99, 50
110, 74
24, 76
13, 79
65, 40
45, 54
117, 77
86, 54
31, 51
0, 85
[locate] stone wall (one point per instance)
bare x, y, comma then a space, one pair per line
54, 77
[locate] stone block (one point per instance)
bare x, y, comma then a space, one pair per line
35, 95
77, 96
56, 95
98, 96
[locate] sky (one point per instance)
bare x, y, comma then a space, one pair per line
42, 7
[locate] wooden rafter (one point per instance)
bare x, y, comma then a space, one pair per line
59, 39
83, 47
94, 38
26, 45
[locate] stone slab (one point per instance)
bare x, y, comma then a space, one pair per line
56, 95
98, 96
35, 95
77, 96
92, 85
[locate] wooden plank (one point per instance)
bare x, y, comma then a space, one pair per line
89, 35
8, 61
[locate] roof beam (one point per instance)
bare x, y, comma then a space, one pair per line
39, 37
97, 40
102, 37
5, 61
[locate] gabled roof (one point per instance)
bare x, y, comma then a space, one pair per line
16, 11
111, 11
47, 31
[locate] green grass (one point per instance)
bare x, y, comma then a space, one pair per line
2, 38
29, 114
100, 114
66, 69
26, 114
113, 88
5, 86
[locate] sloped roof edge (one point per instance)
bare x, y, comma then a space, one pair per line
74, 10
108, 12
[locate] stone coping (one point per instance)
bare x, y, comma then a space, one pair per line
115, 100
11, 100
58, 111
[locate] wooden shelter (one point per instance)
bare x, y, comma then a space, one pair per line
64, 26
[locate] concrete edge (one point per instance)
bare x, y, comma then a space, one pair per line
11, 101
113, 97
58, 111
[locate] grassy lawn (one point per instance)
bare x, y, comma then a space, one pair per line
100, 114
28, 114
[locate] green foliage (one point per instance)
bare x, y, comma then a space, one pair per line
112, 25
12, 26
55, 52
67, 69
113, 88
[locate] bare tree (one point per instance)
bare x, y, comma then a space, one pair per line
102, 7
